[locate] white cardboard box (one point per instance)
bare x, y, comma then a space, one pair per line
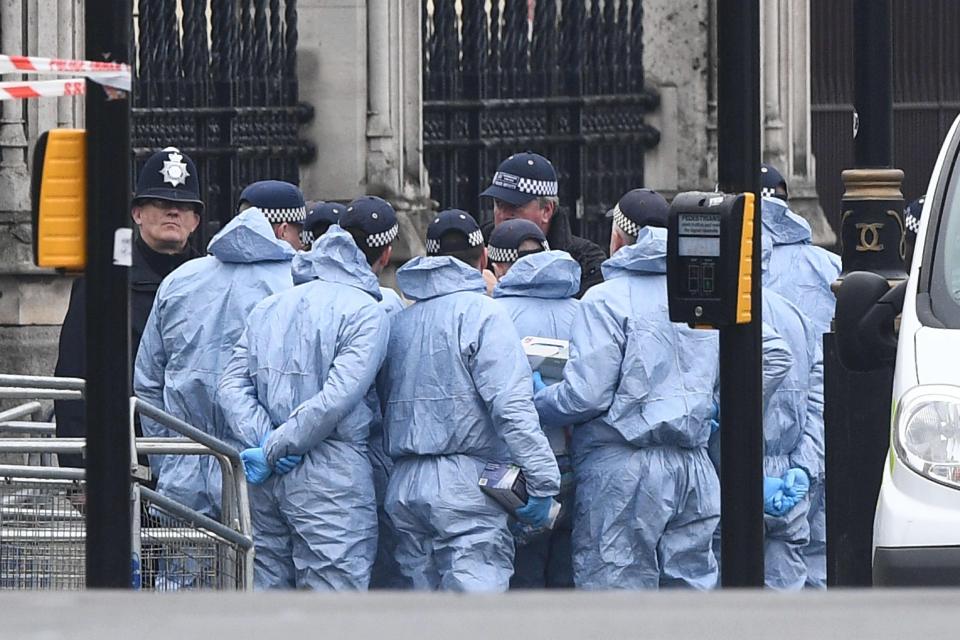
547, 355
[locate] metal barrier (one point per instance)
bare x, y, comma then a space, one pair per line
43, 507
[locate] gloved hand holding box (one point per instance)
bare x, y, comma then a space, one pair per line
505, 484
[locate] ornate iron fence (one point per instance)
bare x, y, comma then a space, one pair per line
563, 78
218, 80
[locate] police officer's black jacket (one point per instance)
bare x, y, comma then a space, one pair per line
148, 269
560, 237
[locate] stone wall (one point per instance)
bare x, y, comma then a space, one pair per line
32, 301
680, 63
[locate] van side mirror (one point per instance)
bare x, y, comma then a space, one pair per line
867, 308
58, 194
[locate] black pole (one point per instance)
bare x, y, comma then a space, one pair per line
741, 451
873, 83
857, 409
108, 312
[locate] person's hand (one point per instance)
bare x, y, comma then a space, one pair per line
536, 512
255, 465
772, 495
796, 484
538, 382
286, 464
783, 504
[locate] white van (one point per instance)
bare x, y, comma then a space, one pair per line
916, 537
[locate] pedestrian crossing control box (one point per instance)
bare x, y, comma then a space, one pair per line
710, 258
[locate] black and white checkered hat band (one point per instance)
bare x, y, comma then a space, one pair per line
768, 192
499, 254
278, 216
625, 224
525, 185
474, 239
306, 237
912, 224
383, 238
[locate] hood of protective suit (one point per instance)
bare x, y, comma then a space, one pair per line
647, 255
429, 277
335, 257
766, 252
550, 274
249, 238
783, 225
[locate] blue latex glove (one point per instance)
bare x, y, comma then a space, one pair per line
783, 504
536, 512
538, 382
714, 425
286, 464
796, 484
255, 465
772, 495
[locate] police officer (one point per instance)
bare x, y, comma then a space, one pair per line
320, 215
296, 393
525, 186
803, 274
166, 209
282, 203
640, 390
456, 389
536, 287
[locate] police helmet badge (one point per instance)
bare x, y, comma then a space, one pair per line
174, 168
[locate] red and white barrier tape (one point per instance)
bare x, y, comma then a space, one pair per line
111, 75
43, 89
27, 64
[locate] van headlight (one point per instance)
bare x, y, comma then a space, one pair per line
927, 425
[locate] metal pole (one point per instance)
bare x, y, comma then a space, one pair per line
873, 82
857, 409
741, 452
108, 29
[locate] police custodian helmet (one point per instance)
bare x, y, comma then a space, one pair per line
169, 175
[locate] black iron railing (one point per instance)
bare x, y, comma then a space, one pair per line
220, 83
560, 77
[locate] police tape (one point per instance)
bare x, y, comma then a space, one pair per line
43, 89
113, 75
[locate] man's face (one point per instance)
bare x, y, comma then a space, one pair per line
165, 225
532, 211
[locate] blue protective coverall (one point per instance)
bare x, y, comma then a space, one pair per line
777, 363
297, 382
457, 394
538, 293
641, 391
802, 273
197, 317
386, 574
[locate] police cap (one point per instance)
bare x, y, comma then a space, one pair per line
279, 201
521, 178
507, 238
451, 231
373, 216
320, 215
911, 215
770, 181
640, 208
